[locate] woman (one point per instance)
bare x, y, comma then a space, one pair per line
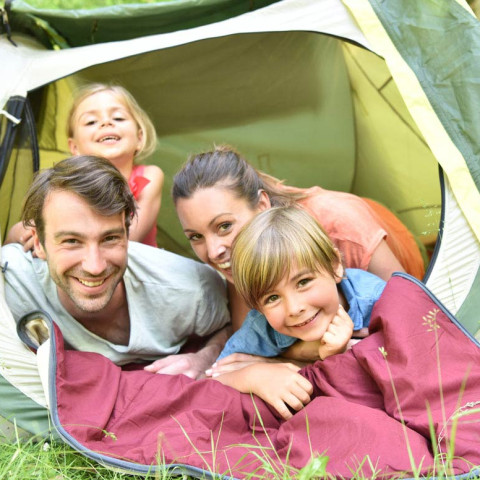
216, 193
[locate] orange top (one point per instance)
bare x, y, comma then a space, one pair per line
357, 226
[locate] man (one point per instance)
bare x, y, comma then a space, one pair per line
127, 301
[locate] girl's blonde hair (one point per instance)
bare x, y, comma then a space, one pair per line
274, 242
149, 138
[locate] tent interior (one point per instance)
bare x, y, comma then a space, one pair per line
308, 108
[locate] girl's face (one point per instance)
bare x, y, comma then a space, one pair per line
103, 126
303, 304
211, 219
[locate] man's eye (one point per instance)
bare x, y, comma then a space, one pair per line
112, 238
70, 241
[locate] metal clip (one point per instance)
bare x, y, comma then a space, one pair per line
13, 119
5, 23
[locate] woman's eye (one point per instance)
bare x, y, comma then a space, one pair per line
90, 122
304, 281
194, 237
224, 227
119, 119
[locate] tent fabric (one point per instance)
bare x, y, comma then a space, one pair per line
368, 402
444, 99
18, 153
121, 22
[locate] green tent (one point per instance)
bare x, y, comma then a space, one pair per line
366, 96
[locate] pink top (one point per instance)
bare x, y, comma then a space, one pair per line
357, 226
137, 182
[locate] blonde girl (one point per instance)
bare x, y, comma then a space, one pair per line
107, 121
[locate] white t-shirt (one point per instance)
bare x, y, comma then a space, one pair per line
169, 298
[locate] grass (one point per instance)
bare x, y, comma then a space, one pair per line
50, 461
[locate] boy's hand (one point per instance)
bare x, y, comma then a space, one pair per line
335, 339
278, 384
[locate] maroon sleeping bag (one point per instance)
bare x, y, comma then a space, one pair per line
372, 412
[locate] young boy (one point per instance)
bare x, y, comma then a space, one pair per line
287, 269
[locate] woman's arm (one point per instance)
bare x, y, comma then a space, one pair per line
383, 262
237, 306
148, 202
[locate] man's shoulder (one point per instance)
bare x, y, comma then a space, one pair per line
14, 254
12, 249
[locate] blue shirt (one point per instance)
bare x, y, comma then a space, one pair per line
361, 289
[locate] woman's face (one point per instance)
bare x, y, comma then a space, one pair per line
211, 219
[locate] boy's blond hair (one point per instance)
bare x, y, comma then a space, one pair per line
274, 242
149, 136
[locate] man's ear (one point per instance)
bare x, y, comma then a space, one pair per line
339, 269
72, 146
263, 201
37, 246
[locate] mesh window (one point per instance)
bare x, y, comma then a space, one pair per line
19, 159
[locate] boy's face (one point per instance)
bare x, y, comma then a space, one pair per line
303, 304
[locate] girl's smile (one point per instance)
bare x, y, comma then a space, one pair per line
104, 126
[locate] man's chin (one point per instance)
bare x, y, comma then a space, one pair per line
91, 306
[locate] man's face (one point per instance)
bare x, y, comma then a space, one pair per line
86, 252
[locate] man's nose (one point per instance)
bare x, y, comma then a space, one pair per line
94, 262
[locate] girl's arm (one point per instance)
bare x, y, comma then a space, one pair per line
148, 202
20, 234
278, 384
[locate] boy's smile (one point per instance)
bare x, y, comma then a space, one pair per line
303, 304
